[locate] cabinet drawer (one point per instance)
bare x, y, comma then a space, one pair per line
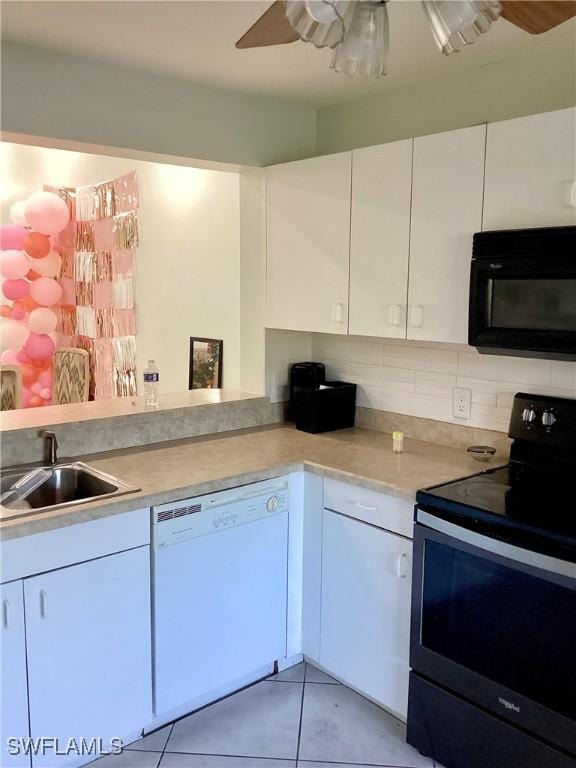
72, 544
388, 512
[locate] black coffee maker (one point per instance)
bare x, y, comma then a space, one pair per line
317, 405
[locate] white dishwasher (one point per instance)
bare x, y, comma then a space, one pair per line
220, 591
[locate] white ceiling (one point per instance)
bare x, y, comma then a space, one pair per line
195, 40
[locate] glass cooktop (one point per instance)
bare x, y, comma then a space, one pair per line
526, 505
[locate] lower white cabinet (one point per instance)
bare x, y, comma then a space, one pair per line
13, 684
88, 646
365, 624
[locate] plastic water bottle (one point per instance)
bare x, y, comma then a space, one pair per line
151, 384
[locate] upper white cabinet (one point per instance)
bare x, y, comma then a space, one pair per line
13, 683
530, 169
308, 225
380, 239
447, 190
366, 609
88, 644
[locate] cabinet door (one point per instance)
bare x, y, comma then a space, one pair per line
380, 238
447, 191
13, 682
530, 170
308, 244
366, 609
89, 663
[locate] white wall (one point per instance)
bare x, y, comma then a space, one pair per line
282, 349
188, 263
417, 379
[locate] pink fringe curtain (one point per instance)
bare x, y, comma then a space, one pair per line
98, 259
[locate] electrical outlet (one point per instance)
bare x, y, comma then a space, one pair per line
461, 402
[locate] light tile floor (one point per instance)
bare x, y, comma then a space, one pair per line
300, 718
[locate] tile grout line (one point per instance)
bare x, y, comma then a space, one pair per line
166, 744
301, 714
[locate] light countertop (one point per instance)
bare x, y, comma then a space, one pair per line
52, 415
182, 469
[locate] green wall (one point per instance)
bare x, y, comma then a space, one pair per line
493, 92
51, 94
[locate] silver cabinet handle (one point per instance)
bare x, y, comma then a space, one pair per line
5, 614
401, 566
42, 601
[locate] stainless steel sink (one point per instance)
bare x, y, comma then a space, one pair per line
65, 485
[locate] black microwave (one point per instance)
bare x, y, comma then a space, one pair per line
523, 293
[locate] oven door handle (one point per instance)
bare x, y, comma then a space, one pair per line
502, 548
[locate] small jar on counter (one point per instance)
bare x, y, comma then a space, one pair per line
398, 442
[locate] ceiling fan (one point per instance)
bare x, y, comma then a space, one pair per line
358, 31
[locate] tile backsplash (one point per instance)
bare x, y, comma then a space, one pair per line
417, 378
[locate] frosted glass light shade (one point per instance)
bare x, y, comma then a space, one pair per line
457, 23
364, 50
320, 22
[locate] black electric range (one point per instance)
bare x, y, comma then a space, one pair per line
530, 510
493, 666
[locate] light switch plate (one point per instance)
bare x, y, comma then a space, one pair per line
461, 402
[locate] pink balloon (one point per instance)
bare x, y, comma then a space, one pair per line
46, 393
42, 320
45, 378
36, 388
46, 291
9, 356
17, 213
24, 357
14, 264
46, 213
12, 237
26, 397
18, 313
15, 289
39, 346
14, 334
49, 266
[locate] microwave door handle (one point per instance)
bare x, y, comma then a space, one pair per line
496, 547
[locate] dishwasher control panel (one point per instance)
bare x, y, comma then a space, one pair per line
181, 521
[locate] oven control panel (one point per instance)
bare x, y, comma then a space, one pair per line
541, 419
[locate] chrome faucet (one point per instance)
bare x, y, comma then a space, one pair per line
50, 446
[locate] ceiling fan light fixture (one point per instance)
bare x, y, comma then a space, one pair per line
457, 23
320, 22
364, 50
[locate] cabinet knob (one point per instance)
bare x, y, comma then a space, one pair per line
395, 315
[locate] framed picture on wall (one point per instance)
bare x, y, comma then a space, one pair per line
205, 363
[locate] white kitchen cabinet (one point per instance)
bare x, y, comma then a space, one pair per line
308, 238
365, 623
13, 683
88, 645
530, 171
447, 187
380, 239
